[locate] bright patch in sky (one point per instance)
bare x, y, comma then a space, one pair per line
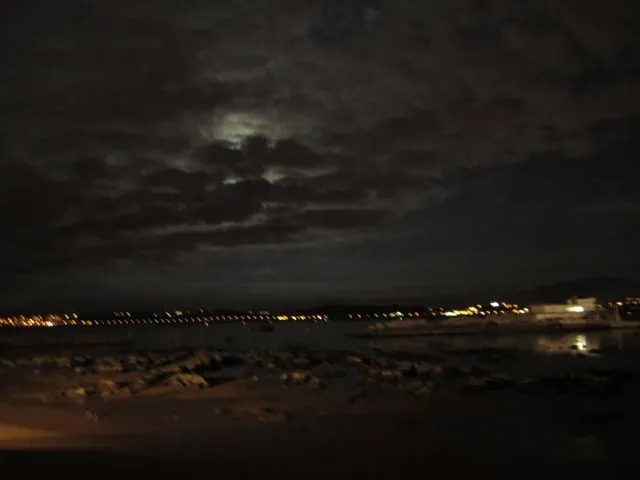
234, 128
231, 180
273, 175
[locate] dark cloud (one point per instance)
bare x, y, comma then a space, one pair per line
149, 132
75, 221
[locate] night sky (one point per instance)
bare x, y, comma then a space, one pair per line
251, 152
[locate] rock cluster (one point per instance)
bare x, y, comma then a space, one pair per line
129, 374
301, 378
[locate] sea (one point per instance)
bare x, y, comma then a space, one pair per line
331, 335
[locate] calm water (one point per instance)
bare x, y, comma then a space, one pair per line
524, 354
333, 335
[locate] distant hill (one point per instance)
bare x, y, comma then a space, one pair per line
603, 288
346, 308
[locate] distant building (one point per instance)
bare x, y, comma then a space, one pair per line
573, 308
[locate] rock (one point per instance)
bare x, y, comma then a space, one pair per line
295, 378
169, 368
253, 360
239, 372
48, 397
220, 411
319, 357
418, 369
74, 393
385, 375
108, 365
390, 374
267, 414
177, 356
7, 363
356, 395
301, 362
105, 384
137, 385
109, 388
527, 385
353, 360
500, 382
62, 362
230, 360
476, 371
422, 391
155, 358
434, 372
298, 377
328, 370
282, 357
315, 382
381, 362
412, 385
43, 360
476, 384
90, 415
456, 371
36, 361
190, 380
404, 366
133, 359
193, 362
81, 360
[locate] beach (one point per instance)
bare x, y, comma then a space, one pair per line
317, 411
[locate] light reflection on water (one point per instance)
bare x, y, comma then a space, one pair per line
537, 343
334, 335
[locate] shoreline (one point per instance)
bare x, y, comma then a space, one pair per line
483, 330
288, 409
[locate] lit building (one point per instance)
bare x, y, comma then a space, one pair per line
573, 308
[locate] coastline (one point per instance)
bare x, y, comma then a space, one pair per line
289, 409
482, 329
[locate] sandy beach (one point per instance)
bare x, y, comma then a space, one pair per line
311, 412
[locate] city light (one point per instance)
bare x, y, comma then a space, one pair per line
195, 317
581, 343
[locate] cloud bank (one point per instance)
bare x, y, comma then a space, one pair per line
144, 131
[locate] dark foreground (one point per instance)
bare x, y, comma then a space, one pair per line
304, 414
364, 453
95, 464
